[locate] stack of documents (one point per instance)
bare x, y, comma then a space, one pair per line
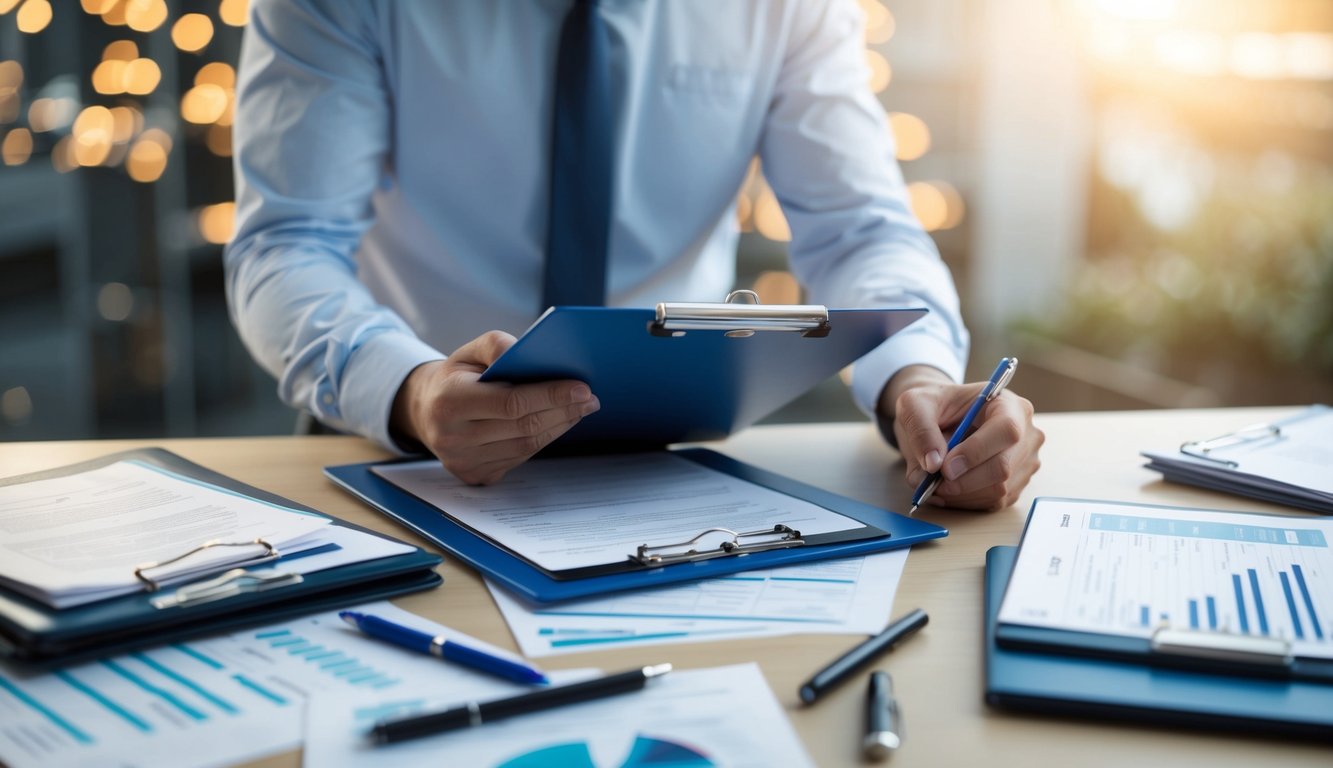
1286, 462
143, 547
84, 537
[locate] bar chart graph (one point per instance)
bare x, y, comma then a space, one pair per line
1131, 569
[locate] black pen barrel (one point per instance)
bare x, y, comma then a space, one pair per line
421, 725
565, 694
861, 655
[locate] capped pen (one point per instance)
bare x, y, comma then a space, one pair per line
443, 648
858, 657
883, 725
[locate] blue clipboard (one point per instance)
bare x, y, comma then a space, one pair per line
527, 580
690, 372
1103, 688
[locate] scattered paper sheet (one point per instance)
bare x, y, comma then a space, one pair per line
852, 595
215, 702
700, 717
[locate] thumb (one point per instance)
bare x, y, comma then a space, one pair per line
919, 437
483, 350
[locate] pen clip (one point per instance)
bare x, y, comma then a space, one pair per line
994, 388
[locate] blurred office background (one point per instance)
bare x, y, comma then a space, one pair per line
1135, 197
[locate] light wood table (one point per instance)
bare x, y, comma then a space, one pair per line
937, 674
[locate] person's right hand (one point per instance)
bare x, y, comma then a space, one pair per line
481, 430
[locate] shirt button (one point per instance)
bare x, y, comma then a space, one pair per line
328, 398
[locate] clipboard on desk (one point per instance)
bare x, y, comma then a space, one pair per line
688, 372
250, 592
1064, 685
1285, 462
1228, 593
880, 530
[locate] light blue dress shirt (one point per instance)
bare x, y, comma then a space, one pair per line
391, 171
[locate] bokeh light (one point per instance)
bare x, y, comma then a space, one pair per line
911, 135
145, 15
192, 32
142, 77
216, 222
33, 16
17, 147
234, 12
880, 71
115, 302
124, 50
204, 104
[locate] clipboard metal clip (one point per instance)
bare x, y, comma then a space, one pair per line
1228, 647
778, 537
234, 582
1202, 449
266, 552
739, 320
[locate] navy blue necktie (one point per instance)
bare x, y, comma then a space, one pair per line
581, 155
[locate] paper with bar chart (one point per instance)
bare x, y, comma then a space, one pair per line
1129, 569
212, 702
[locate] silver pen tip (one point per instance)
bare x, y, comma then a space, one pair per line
656, 670
913, 510
880, 744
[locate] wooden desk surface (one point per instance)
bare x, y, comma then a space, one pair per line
937, 675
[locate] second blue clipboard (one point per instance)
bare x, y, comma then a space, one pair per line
529, 581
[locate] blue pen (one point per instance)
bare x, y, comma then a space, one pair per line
423, 642
998, 381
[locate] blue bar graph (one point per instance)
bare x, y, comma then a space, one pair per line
1291, 605
328, 660
46, 712
1240, 603
1212, 612
110, 704
1309, 602
1258, 602
1194, 614
1143, 615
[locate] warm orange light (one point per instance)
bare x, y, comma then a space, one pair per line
937, 205
216, 73
62, 155
234, 12
7, 5
218, 140
216, 222
145, 15
124, 50
114, 15
768, 217
880, 71
97, 7
92, 133
147, 161
192, 32
109, 77
142, 76
911, 135
33, 16
158, 137
879, 22
126, 121
92, 149
11, 77
204, 104
17, 147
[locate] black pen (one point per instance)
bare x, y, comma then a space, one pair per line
475, 713
861, 655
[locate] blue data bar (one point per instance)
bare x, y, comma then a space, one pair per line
1194, 614
1309, 602
1258, 602
1143, 615
1212, 612
1240, 603
1254, 534
1291, 605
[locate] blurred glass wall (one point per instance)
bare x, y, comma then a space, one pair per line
1135, 196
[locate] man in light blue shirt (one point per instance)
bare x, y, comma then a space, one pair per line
392, 168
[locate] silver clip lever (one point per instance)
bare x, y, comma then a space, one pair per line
234, 582
778, 537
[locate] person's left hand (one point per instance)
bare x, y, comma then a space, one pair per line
990, 467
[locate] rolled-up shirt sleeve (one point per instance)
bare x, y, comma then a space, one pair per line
829, 156
312, 143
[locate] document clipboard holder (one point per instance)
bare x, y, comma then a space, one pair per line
779, 536
1061, 684
1202, 449
686, 372
39, 635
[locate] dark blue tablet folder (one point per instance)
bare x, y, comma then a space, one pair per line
678, 373
1063, 684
